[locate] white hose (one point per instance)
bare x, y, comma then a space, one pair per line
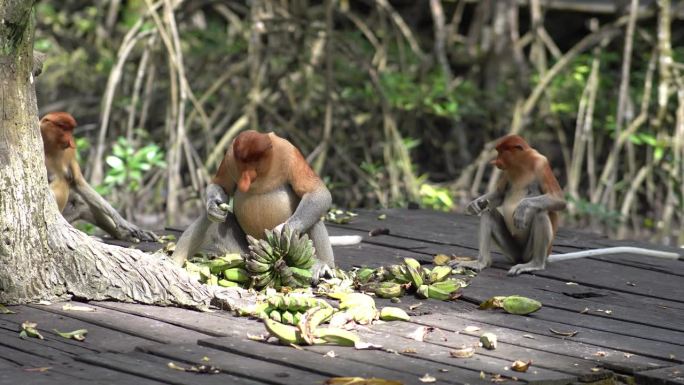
345, 240
614, 250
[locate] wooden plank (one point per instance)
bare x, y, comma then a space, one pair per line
485, 363
14, 376
306, 360
236, 364
660, 326
150, 330
225, 324
99, 339
622, 353
673, 375
584, 370
156, 368
61, 366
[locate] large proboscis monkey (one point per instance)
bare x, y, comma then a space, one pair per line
271, 185
520, 214
75, 198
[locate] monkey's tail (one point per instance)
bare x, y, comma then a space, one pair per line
615, 250
345, 240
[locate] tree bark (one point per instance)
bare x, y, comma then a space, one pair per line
42, 257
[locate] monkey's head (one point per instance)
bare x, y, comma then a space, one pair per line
57, 129
510, 150
252, 152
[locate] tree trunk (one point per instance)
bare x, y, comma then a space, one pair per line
41, 255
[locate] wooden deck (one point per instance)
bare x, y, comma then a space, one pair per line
628, 312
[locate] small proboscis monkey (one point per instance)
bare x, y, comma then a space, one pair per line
75, 198
271, 185
520, 215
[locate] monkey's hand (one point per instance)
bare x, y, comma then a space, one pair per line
477, 206
216, 203
321, 270
132, 233
522, 214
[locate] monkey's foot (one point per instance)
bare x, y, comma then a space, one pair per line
472, 265
525, 268
321, 270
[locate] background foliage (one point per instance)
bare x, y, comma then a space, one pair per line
395, 103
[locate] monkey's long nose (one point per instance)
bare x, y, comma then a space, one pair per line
246, 180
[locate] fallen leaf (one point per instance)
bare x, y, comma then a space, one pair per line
492, 303
30, 329
39, 370
260, 337
571, 333
471, 329
528, 336
464, 352
631, 284
44, 302
444, 370
206, 359
427, 378
382, 217
595, 370
419, 334
173, 366
415, 306
70, 307
360, 381
366, 346
521, 366
628, 355
482, 375
5, 310
497, 378
441, 259
571, 283
78, 335
585, 310
609, 312
410, 351
600, 354
672, 356
330, 354
488, 341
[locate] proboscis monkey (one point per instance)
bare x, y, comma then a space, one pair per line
520, 214
75, 198
271, 185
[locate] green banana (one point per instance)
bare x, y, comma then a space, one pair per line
412, 262
227, 283
389, 290
337, 336
254, 266
415, 275
390, 313
435, 292
439, 273
285, 333
275, 315
236, 274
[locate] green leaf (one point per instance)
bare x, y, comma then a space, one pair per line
5, 310
114, 162
78, 335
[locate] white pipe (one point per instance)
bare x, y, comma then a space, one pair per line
614, 250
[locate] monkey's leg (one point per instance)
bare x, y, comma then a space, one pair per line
228, 237
326, 260
493, 228
203, 234
538, 245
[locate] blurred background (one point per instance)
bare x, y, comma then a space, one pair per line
395, 103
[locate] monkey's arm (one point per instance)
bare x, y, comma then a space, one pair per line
315, 199
104, 215
551, 198
488, 201
222, 185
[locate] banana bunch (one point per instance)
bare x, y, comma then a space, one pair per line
227, 270
308, 332
428, 283
283, 258
289, 309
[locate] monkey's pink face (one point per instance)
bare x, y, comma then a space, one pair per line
502, 159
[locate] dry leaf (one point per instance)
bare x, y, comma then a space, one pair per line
410, 351
206, 359
441, 259
521, 366
415, 306
464, 352
595, 370
39, 370
471, 329
571, 283
628, 355
330, 354
5, 310
260, 337
585, 310
600, 354
497, 378
360, 381
492, 303
70, 307
571, 333
173, 366
419, 334
608, 312
444, 370
427, 378
482, 375
528, 336
78, 335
